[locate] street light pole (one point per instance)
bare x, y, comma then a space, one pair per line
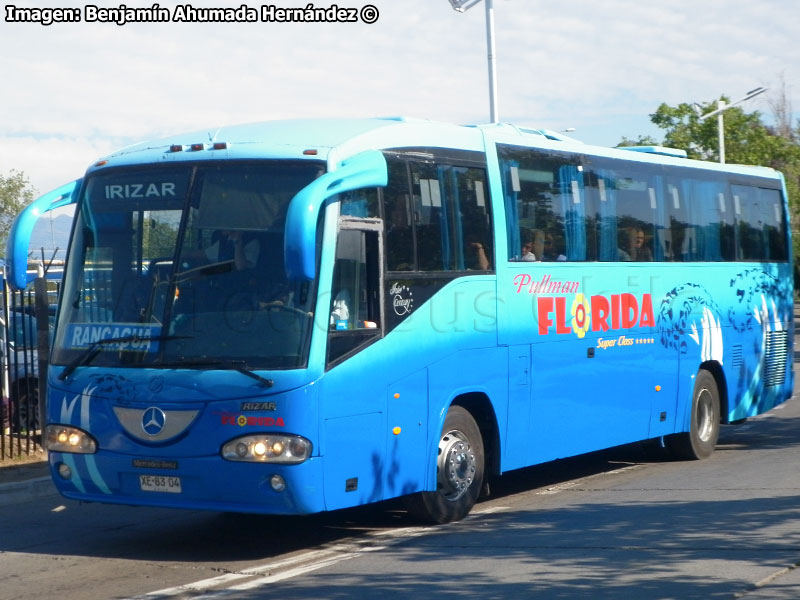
463, 6
721, 129
722, 106
492, 58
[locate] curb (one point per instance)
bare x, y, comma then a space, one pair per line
17, 492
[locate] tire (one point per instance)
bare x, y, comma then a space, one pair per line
459, 471
699, 442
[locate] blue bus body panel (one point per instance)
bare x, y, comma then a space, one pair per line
236, 487
223, 406
615, 349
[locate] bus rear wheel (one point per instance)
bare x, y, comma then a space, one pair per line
700, 440
459, 471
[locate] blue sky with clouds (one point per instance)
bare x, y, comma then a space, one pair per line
76, 91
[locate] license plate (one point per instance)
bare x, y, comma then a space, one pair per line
159, 483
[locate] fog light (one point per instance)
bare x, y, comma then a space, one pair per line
278, 483
64, 471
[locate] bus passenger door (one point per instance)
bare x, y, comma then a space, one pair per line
354, 428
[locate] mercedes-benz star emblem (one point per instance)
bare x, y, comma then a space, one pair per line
153, 420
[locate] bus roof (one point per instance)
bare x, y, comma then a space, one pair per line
314, 139
334, 140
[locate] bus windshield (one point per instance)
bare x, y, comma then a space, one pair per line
185, 265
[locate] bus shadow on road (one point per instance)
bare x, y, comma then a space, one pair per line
680, 546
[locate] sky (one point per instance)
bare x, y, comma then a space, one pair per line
73, 92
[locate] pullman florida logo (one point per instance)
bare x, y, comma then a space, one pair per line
584, 313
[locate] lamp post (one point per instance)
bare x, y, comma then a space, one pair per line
463, 6
722, 106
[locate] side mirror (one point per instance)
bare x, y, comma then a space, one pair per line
19, 237
367, 169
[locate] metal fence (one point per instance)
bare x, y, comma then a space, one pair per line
20, 431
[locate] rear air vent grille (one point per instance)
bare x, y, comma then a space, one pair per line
737, 355
775, 353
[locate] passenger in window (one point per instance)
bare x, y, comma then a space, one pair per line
340, 314
526, 250
640, 251
340, 311
481, 260
554, 248
527, 254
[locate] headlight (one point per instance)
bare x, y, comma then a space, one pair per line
287, 449
63, 438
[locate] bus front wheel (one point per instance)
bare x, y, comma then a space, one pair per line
459, 471
700, 440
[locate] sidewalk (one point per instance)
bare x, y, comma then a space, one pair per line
20, 482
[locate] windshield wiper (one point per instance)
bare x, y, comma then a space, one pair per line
236, 365
88, 355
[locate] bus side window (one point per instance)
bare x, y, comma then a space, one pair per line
545, 199
760, 226
472, 217
355, 293
438, 217
430, 212
627, 202
774, 224
399, 231
748, 223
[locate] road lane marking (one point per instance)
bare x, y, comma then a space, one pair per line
555, 489
204, 584
331, 554
767, 580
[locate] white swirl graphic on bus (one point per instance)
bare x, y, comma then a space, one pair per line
402, 301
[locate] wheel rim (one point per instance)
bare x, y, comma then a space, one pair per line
456, 465
705, 416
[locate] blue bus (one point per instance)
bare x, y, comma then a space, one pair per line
301, 316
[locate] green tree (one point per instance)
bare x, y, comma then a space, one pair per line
747, 139
15, 194
642, 140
